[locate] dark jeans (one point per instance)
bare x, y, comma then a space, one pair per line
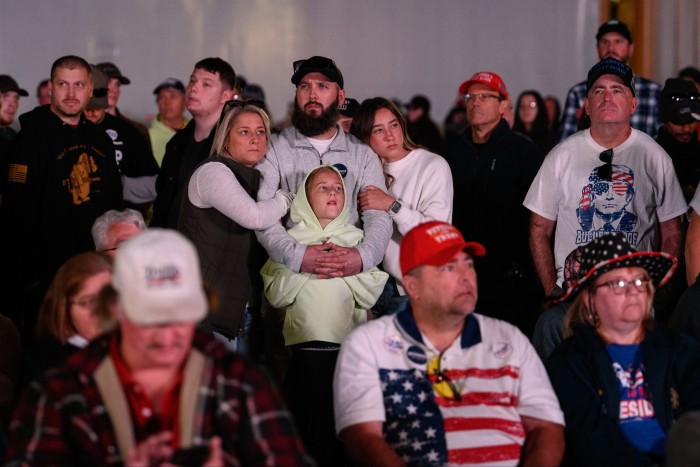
250, 342
389, 302
309, 392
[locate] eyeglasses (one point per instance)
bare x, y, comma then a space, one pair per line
322, 63
442, 383
684, 97
605, 172
86, 302
480, 97
237, 103
621, 287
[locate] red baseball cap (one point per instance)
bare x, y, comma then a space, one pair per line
486, 78
434, 243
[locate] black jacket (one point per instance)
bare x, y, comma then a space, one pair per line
60, 180
686, 160
582, 375
174, 173
490, 184
425, 132
133, 152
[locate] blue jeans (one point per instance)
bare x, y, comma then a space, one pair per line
549, 330
247, 342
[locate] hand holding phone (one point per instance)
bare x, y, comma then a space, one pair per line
205, 456
191, 456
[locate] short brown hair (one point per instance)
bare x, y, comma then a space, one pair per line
71, 62
54, 313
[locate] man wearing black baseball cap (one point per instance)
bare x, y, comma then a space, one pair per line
10, 93
314, 138
614, 40
170, 98
135, 160
347, 112
679, 111
114, 91
610, 177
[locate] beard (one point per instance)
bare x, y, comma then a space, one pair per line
314, 125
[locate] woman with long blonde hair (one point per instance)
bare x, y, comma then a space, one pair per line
220, 214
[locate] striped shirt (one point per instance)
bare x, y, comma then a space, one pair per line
382, 374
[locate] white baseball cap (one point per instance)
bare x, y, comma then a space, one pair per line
158, 278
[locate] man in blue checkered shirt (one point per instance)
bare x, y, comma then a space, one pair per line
615, 40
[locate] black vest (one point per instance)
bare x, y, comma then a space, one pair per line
230, 255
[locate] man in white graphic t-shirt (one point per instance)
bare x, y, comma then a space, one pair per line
610, 177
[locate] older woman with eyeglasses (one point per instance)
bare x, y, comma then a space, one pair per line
621, 379
220, 214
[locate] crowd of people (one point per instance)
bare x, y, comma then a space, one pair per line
358, 285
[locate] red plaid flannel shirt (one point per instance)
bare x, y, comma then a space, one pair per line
61, 419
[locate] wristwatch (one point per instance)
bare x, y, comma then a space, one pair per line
395, 207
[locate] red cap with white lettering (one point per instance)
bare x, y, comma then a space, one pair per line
486, 78
434, 243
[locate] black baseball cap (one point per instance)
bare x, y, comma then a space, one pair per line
679, 102
113, 72
170, 83
349, 107
8, 84
318, 64
610, 66
614, 25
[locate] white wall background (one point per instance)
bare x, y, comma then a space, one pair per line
394, 48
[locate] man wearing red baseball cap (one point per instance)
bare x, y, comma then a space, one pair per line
403, 381
492, 169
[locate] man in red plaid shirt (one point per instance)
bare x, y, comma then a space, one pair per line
155, 390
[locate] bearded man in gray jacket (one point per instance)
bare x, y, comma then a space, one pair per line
316, 138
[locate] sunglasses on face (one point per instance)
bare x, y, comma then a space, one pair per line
619, 188
684, 97
442, 383
605, 172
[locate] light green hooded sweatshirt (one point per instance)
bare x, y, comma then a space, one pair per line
321, 309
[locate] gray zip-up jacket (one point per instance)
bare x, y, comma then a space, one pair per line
289, 158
